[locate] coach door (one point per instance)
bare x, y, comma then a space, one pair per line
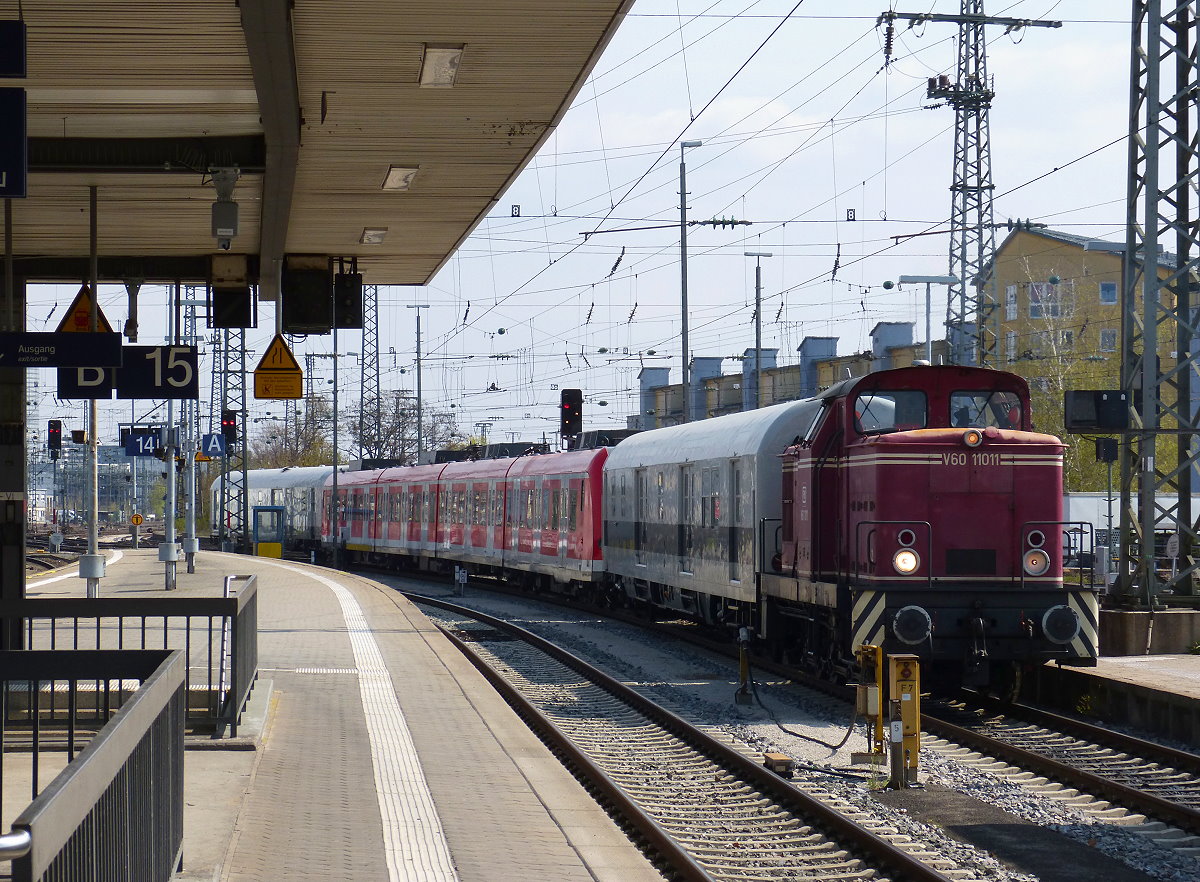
734, 515
639, 525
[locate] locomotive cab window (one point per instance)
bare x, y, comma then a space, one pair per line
890, 411
980, 408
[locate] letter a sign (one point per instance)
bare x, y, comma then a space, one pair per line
212, 445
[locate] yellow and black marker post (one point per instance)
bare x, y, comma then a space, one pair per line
904, 691
869, 701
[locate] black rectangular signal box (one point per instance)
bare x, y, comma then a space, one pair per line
231, 306
348, 301
1092, 410
306, 295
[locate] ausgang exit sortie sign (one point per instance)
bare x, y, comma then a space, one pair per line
19, 349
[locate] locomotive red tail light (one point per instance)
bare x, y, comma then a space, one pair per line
1036, 561
906, 561
972, 437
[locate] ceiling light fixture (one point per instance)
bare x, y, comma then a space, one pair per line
372, 236
439, 66
400, 177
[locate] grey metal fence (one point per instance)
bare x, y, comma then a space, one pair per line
115, 812
217, 635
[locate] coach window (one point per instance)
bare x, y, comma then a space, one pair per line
884, 411
575, 497
710, 499
981, 408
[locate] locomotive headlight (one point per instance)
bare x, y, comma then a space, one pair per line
972, 437
1036, 561
906, 561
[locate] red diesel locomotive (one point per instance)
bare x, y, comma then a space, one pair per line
927, 513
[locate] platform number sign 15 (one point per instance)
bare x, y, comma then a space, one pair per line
158, 372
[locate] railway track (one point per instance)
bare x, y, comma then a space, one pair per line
1148, 789
706, 808
45, 561
1125, 780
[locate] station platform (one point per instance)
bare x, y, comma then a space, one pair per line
372, 749
1158, 694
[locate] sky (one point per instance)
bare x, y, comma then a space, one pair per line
574, 279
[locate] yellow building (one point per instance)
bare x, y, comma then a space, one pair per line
1059, 298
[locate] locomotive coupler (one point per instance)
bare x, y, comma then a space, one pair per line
978, 628
743, 694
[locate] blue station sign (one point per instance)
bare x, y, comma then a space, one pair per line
25, 349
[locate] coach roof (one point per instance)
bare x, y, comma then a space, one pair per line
768, 430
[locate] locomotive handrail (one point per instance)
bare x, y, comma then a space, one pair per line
858, 538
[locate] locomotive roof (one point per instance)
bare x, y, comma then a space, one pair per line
925, 375
768, 430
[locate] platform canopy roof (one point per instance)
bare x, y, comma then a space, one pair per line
320, 105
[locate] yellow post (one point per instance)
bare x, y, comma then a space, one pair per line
869, 696
743, 694
904, 687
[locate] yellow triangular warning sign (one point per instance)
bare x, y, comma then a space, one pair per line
79, 315
278, 357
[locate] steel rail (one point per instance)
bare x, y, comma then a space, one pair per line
1181, 816
897, 862
1180, 759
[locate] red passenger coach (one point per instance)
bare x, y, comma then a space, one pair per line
534, 517
553, 516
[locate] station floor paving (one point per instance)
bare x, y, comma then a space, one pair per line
1177, 674
378, 752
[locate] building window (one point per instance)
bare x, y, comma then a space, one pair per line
1108, 292
1010, 303
1043, 301
1043, 343
1010, 346
1108, 340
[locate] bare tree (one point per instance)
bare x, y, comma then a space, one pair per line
397, 438
305, 442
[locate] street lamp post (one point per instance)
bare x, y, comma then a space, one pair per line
683, 279
420, 430
758, 256
929, 280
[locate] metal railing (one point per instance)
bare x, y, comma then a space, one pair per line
115, 812
217, 635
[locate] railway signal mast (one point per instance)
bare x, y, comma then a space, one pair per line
972, 236
1159, 327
